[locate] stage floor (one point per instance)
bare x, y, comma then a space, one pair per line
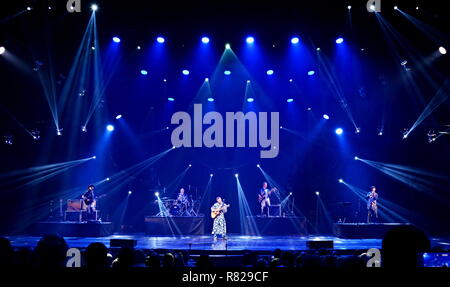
234, 242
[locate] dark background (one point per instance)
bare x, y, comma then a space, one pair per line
306, 162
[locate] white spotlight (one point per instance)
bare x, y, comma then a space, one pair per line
257, 165
211, 175
190, 165
2, 50
107, 179
317, 193
130, 192
395, 8
94, 7
29, 8
157, 194
341, 180
94, 157
349, 7
236, 175
227, 46
442, 50
356, 158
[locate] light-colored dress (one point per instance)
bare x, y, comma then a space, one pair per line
219, 225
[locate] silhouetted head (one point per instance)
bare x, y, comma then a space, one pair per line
402, 247
96, 255
51, 251
6, 252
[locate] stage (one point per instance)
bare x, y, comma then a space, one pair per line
235, 243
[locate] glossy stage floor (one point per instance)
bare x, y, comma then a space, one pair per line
206, 243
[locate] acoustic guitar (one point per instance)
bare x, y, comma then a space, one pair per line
217, 211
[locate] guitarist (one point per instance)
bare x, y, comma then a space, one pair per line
89, 201
217, 212
264, 198
372, 208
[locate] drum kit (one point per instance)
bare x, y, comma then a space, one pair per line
175, 207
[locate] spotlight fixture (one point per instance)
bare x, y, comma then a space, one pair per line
185, 72
157, 194
190, 165
341, 180
36, 134
29, 8
395, 8
227, 46
248, 81
236, 175
107, 179
325, 116
417, 8
160, 40
257, 165
318, 49
116, 39
357, 130
269, 72
118, 117
227, 72
250, 100
170, 99
138, 47
372, 7
349, 7
356, 158
380, 132
317, 193
291, 80
210, 99
211, 175
94, 7
250, 40
405, 133
339, 40
2, 50
295, 40
130, 192
144, 72
165, 80
339, 131
310, 73
206, 80
290, 100
442, 50
94, 157
110, 128
8, 139
83, 129
205, 40
59, 131
403, 63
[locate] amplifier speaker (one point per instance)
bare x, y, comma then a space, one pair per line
320, 244
123, 243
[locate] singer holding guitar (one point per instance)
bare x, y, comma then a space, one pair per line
372, 208
89, 202
217, 212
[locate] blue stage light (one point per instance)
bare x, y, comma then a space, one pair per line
144, 72
118, 117
94, 7
210, 99
160, 40
295, 40
185, 72
339, 131
250, 100
109, 128
290, 100
339, 40
269, 72
325, 116
170, 99
227, 72
205, 40
310, 73
116, 39
250, 40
